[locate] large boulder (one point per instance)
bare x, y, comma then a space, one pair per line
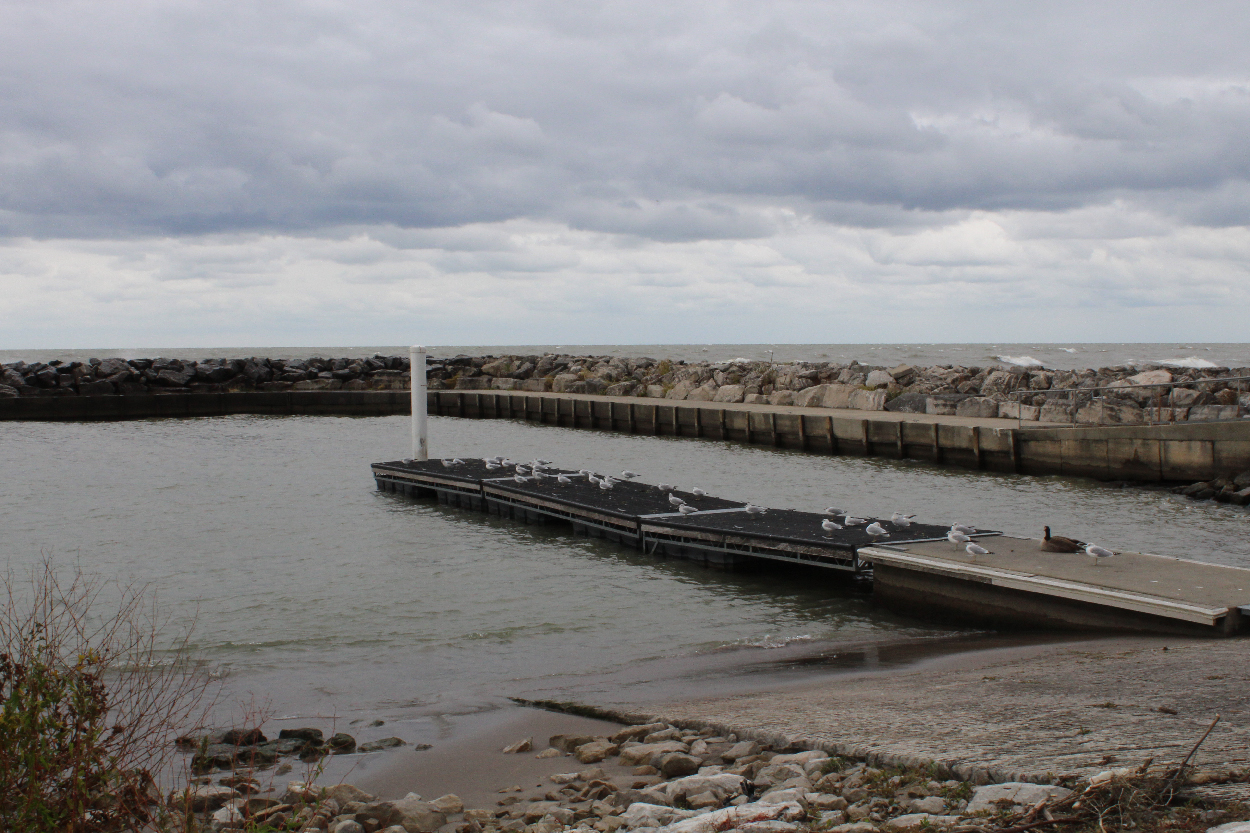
908, 403
732, 818
781, 397
1013, 796
538, 384
681, 390
565, 382
811, 397
644, 753
977, 406
853, 398
1151, 377
703, 393
729, 393
879, 379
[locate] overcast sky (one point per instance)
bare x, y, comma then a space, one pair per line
192, 173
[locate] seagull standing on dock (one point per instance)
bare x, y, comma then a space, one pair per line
752, 509
974, 551
876, 530
901, 520
665, 487
686, 509
829, 526
605, 484
562, 480
957, 538
1097, 552
964, 530
833, 510
518, 478
697, 492
629, 475
853, 521
676, 501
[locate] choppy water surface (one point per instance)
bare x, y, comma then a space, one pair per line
322, 594
1028, 354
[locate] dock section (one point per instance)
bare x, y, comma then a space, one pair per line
718, 532
914, 568
1017, 584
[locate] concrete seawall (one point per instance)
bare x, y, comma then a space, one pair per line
1179, 452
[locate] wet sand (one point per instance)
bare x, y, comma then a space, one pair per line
1026, 711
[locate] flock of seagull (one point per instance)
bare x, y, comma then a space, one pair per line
959, 534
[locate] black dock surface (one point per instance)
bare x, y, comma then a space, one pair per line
718, 531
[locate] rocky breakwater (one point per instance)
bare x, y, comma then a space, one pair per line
659, 778
1109, 395
131, 377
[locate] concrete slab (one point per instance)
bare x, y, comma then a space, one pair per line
1133, 583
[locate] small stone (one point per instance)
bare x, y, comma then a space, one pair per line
549, 752
521, 746
378, 745
595, 751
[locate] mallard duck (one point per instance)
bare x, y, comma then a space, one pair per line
1060, 544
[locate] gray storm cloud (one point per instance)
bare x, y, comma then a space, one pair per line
667, 122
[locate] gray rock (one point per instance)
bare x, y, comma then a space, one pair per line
8, 392
933, 805
595, 751
908, 403
977, 406
879, 379
1231, 827
347, 826
1013, 795
755, 399
379, 745
781, 397
742, 749
703, 393
730, 393
678, 765
537, 385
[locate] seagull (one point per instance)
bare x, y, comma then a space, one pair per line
493, 466
974, 551
545, 462
957, 538
875, 530
833, 510
585, 472
676, 501
629, 475
686, 509
521, 469
1059, 543
697, 492
605, 484
518, 478
665, 487
539, 476
562, 480
852, 521
829, 526
590, 478
966, 530
456, 461
899, 519
447, 463
1098, 552
752, 509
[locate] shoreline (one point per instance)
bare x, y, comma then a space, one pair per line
998, 701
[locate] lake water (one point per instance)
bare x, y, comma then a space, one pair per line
1057, 356
323, 596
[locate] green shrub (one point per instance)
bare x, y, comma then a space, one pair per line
89, 705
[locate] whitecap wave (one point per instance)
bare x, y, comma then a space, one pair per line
1068, 349
770, 641
1020, 361
1192, 361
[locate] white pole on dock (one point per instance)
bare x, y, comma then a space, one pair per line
420, 435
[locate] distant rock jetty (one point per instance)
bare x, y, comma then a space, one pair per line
1008, 391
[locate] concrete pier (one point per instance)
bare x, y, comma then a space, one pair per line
1144, 453
1017, 584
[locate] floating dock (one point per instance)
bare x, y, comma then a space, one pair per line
914, 569
1018, 584
719, 532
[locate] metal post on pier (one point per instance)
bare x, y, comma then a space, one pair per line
420, 434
